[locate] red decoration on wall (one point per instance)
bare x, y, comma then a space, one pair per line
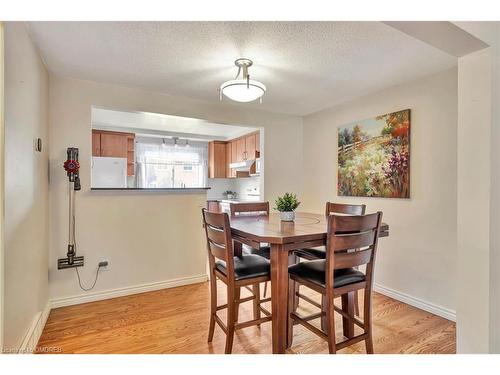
71, 166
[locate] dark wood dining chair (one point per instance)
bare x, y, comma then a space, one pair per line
351, 242
236, 271
331, 208
253, 208
320, 252
249, 208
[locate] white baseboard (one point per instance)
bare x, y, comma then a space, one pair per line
35, 331
416, 302
120, 292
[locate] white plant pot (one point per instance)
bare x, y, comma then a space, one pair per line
287, 215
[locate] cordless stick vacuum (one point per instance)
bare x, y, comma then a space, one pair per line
71, 166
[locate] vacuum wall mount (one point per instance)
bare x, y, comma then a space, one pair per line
72, 167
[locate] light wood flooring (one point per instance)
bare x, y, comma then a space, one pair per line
176, 321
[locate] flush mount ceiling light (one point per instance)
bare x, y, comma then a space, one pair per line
243, 89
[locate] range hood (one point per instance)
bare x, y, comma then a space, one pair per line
242, 166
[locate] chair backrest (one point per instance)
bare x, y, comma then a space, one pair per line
348, 209
219, 240
253, 208
352, 242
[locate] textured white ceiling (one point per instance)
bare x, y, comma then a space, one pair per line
306, 66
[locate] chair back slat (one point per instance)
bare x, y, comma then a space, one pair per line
254, 208
354, 259
213, 219
347, 209
216, 235
354, 241
219, 240
349, 224
218, 250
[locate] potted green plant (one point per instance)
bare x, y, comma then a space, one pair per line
286, 205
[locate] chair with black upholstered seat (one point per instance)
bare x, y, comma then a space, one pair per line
351, 242
331, 208
320, 252
254, 209
236, 271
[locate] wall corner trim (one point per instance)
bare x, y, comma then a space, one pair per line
416, 302
120, 292
30, 341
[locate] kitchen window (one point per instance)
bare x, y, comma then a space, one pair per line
161, 163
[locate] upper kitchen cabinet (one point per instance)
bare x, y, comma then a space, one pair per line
246, 147
240, 149
114, 145
221, 154
96, 143
250, 147
217, 163
230, 146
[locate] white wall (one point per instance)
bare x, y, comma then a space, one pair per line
219, 186
419, 257
2, 224
243, 184
495, 199
26, 185
474, 132
148, 237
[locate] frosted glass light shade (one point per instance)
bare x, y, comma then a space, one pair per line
240, 90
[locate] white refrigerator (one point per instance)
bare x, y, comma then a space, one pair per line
109, 172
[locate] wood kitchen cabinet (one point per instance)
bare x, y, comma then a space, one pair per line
240, 149
217, 165
213, 206
246, 147
234, 152
230, 173
221, 154
96, 143
250, 147
115, 145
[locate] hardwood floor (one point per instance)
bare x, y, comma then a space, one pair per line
176, 321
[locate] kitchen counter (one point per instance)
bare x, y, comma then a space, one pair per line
223, 204
235, 200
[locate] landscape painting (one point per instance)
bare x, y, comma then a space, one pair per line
374, 157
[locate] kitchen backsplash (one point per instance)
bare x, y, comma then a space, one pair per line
219, 186
242, 186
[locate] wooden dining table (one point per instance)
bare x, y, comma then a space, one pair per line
307, 230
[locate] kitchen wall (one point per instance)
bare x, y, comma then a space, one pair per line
26, 188
417, 263
219, 186
151, 239
238, 185
249, 183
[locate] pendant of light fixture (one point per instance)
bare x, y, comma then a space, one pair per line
244, 89
175, 142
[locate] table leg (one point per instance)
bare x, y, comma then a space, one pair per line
279, 297
348, 307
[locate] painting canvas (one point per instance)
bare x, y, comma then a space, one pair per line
374, 157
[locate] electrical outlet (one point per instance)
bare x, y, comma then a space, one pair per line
104, 265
